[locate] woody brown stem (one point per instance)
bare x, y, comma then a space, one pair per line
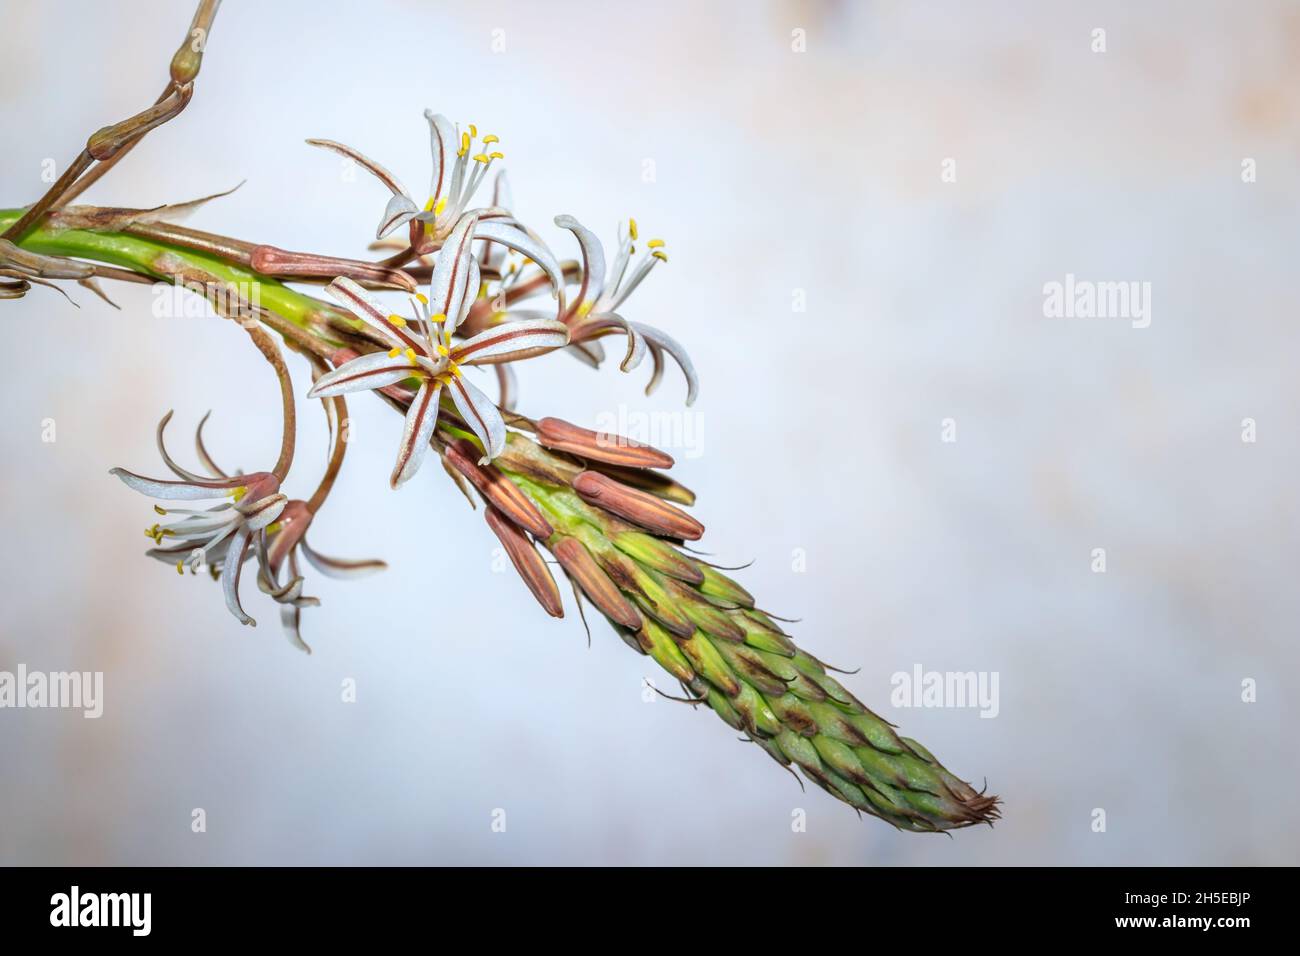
266, 345
336, 411
184, 69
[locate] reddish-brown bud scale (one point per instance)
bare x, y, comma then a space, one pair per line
523, 555
499, 490
270, 260
595, 583
641, 508
655, 482
600, 446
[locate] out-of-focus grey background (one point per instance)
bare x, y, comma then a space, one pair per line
777, 176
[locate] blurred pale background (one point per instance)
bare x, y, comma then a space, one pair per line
775, 171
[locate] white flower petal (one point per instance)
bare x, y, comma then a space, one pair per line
511, 341
593, 260
400, 209
337, 567
375, 370
451, 269
515, 238
480, 415
260, 513
378, 171
366, 307
442, 139
178, 490
670, 345
230, 572
421, 417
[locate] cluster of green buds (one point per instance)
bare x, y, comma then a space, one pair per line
602, 505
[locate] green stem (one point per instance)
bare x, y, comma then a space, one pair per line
164, 262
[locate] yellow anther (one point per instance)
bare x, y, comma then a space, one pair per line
442, 350
490, 138
397, 320
159, 509
410, 356
438, 318
238, 493
424, 299
655, 243
440, 206
585, 307
660, 255
464, 144
429, 205
454, 369
631, 227
393, 353
480, 158
497, 155
180, 567
274, 527
473, 130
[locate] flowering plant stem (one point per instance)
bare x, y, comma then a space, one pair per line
601, 505
696, 623
154, 260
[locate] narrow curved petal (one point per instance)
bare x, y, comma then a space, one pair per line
611, 323
448, 286
421, 416
481, 416
512, 341
674, 348
202, 449
182, 473
230, 572
178, 490
263, 511
515, 238
657, 357
376, 170
362, 304
588, 353
374, 370
593, 260
339, 568
442, 137
400, 209
473, 286
291, 622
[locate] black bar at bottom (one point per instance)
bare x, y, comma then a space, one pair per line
842, 907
